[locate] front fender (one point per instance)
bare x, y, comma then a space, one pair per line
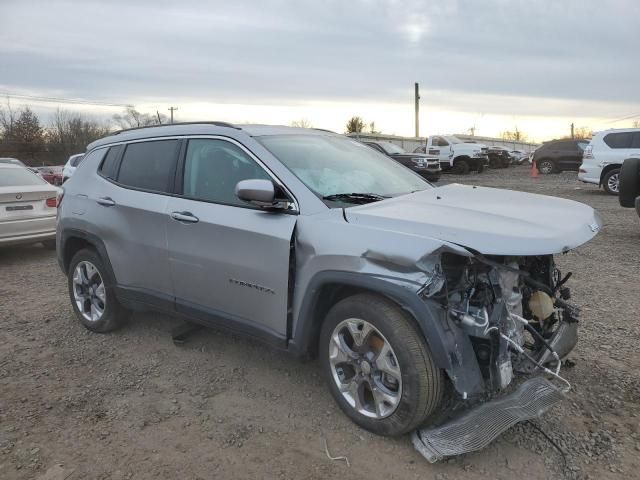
450, 347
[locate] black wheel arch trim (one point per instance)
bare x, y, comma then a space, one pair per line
67, 234
450, 347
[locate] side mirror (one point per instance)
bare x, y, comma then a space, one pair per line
261, 193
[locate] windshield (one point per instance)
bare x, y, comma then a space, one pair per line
453, 139
331, 165
392, 148
18, 177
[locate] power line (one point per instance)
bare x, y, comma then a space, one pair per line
624, 118
75, 101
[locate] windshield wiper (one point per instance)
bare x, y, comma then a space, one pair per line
355, 197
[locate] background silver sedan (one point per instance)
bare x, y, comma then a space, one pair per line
28, 206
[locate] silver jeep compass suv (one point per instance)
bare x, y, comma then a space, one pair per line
324, 247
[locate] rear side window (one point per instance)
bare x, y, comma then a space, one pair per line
619, 140
110, 163
149, 165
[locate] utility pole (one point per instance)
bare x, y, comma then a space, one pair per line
159, 120
417, 99
171, 109
572, 131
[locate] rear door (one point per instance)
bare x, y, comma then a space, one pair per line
128, 203
568, 154
229, 260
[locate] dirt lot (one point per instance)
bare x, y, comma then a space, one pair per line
131, 404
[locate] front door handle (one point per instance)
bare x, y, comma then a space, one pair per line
187, 217
105, 201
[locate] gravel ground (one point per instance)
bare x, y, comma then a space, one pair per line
131, 404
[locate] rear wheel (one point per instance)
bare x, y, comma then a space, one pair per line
611, 182
92, 295
378, 366
546, 166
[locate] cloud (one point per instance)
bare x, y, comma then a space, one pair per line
290, 52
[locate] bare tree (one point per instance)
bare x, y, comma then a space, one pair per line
515, 135
7, 120
372, 128
355, 125
132, 118
70, 132
302, 123
635, 124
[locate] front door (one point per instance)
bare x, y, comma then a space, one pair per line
229, 260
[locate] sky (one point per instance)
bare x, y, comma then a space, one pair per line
492, 65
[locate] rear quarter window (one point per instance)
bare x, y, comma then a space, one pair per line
619, 140
149, 165
108, 167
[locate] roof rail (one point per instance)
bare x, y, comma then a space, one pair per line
323, 130
217, 124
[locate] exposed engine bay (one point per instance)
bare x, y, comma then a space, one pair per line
514, 310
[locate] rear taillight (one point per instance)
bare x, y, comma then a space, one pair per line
588, 152
52, 202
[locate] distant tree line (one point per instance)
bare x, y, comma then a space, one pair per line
24, 136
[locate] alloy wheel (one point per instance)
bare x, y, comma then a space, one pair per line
365, 368
546, 167
613, 182
88, 291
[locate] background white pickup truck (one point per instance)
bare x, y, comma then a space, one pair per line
456, 155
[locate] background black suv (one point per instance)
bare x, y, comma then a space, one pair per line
559, 155
428, 166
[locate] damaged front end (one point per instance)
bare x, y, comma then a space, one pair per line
512, 325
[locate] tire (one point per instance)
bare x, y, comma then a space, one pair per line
461, 167
546, 166
611, 181
629, 182
420, 388
113, 314
49, 244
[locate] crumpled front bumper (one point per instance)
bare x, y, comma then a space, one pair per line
479, 426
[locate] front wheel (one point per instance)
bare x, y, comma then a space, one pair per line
378, 366
461, 167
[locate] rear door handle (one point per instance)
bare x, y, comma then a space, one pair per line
187, 217
105, 201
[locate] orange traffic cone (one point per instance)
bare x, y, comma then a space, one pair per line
534, 170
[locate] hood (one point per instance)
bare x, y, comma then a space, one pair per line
489, 220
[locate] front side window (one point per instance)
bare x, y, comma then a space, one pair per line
213, 168
149, 165
333, 165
